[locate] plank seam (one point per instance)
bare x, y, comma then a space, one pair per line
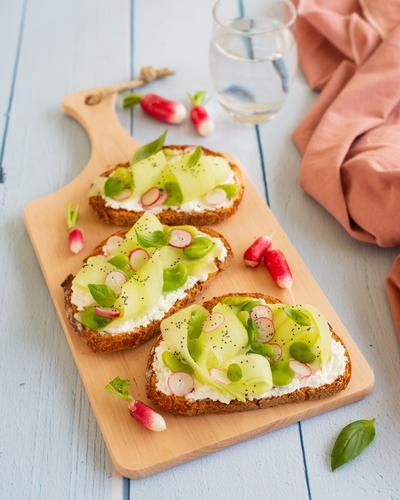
132, 6
14, 77
262, 163
305, 462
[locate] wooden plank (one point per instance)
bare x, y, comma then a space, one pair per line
148, 453
229, 472
51, 445
11, 26
352, 275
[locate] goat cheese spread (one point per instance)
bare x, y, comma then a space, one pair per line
197, 205
326, 375
83, 299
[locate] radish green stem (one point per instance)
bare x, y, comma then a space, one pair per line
72, 216
119, 388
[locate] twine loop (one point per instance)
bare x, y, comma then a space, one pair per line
147, 75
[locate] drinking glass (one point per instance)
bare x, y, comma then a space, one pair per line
253, 57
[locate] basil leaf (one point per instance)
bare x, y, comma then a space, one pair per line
195, 323
104, 295
352, 440
236, 301
95, 321
113, 186
149, 149
195, 157
297, 316
234, 372
156, 239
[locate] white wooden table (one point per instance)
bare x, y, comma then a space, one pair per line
50, 443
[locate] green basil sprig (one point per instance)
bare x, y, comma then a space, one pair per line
149, 149
234, 372
297, 316
113, 186
104, 295
195, 157
352, 440
156, 239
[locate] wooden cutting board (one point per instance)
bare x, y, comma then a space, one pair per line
136, 451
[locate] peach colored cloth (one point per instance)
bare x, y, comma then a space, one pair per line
350, 139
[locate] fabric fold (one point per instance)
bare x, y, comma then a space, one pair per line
350, 139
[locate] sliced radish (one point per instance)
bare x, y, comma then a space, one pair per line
123, 195
216, 197
219, 376
150, 197
115, 280
162, 199
299, 368
278, 352
261, 311
138, 258
108, 312
180, 238
265, 330
212, 322
113, 243
180, 383
101, 256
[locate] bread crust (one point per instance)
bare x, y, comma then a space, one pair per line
103, 343
182, 405
122, 217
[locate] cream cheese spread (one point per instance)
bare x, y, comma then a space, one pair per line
194, 206
326, 375
167, 300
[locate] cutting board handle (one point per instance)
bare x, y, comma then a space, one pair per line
107, 136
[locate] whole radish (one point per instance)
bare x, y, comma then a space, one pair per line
279, 268
199, 116
138, 410
253, 255
75, 236
155, 105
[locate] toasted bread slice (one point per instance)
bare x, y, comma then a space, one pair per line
186, 406
123, 217
103, 342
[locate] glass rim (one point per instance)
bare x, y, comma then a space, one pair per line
270, 32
